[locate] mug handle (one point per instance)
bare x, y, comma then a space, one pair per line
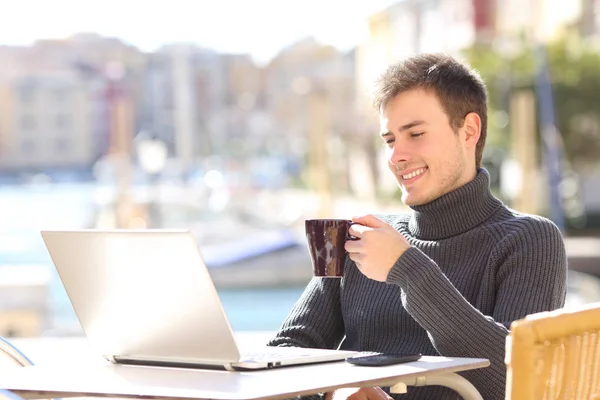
348, 236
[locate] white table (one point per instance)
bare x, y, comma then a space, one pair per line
107, 380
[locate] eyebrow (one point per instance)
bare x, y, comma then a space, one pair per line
405, 127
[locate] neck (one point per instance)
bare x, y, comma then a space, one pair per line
455, 212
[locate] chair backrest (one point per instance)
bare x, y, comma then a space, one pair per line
555, 355
9, 354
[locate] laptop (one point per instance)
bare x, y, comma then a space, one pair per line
146, 297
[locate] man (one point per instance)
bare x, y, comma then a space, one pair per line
450, 277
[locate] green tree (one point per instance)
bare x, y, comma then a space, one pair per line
575, 75
575, 69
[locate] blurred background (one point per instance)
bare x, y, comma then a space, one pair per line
240, 119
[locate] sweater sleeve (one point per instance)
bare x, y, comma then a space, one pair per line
316, 319
531, 277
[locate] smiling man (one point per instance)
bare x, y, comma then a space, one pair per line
449, 277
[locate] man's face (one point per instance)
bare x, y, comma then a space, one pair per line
427, 157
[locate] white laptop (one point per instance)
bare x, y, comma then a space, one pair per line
146, 297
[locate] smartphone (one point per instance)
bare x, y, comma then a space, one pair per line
378, 360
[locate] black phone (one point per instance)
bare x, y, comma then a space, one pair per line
378, 360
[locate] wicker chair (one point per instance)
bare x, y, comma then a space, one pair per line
555, 355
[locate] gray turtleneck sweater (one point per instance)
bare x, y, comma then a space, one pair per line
473, 268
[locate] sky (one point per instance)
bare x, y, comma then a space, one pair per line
259, 27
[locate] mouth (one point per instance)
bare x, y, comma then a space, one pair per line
412, 176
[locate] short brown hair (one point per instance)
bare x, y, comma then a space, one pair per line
459, 88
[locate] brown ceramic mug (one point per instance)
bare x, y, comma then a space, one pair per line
326, 239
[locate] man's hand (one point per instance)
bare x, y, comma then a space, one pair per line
374, 393
378, 249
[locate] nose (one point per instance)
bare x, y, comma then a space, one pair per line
399, 154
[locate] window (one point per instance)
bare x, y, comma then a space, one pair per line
26, 93
61, 94
27, 146
63, 121
28, 122
62, 145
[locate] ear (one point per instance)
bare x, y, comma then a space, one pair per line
472, 129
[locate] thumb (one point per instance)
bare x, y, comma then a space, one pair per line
369, 220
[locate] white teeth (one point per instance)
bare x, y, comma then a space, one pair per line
414, 173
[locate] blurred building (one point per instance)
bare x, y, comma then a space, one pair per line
157, 100
243, 81
99, 50
184, 103
56, 102
310, 93
202, 103
239, 127
10, 57
415, 26
184, 89
114, 74
590, 18
410, 27
538, 20
5, 119
300, 72
47, 123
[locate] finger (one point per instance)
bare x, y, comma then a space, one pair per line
352, 246
377, 393
358, 395
344, 393
358, 230
383, 395
369, 220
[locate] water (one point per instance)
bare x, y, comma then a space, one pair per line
259, 310
25, 210
247, 309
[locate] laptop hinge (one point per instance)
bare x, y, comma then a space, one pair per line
229, 367
111, 359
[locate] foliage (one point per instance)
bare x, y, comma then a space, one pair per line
575, 75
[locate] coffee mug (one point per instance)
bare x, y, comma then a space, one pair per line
326, 239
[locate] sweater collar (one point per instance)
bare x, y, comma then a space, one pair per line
455, 212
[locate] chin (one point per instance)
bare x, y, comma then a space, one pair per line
416, 199
414, 202
411, 200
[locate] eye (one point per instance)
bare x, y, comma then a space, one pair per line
415, 135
